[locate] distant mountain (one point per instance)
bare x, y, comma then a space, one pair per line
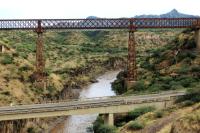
172, 14
92, 17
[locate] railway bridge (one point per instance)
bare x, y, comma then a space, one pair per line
107, 106
131, 24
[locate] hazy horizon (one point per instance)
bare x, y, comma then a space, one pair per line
12, 9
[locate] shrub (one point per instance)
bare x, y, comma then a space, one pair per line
166, 79
139, 86
156, 53
184, 70
195, 69
135, 126
99, 121
100, 127
106, 129
192, 94
187, 81
155, 87
8, 59
187, 103
159, 114
30, 130
185, 54
140, 111
118, 85
147, 65
7, 93
25, 68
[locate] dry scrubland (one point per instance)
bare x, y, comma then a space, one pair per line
73, 60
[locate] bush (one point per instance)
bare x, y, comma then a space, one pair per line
155, 87
195, 69
186, 82
139, 86
147, 65
8, 59
100, 127
106, 129
166, 79
135, 126
185, 54
192, 95
25, 68
99, 121
159, 114
30, 130
7, 93
118, 85
184, 70
139, 111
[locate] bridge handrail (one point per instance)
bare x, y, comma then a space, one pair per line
105, 98
81, 105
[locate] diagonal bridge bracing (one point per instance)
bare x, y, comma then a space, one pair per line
41, 25
31, 24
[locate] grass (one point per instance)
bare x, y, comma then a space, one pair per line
139, 111
135, 126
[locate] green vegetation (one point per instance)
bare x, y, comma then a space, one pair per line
159, 114
73, 60
170, 67
133, 115
192, 96
7, 59
135, 125
100, 127
174, 66
139, 111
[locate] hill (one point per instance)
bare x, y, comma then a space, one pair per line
73, 60
174, 66
172, 14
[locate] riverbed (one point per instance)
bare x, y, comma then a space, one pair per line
79, 123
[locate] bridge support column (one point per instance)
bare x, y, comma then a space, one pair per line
40, 62
132, 74
197, 38
109, 119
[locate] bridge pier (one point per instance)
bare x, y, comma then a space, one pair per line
40, 62
197, 38
109, 119
132, 73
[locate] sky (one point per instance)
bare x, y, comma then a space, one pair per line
38, 9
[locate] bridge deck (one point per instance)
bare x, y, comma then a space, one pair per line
122, 23
77, 106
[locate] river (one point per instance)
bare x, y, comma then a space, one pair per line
79, 123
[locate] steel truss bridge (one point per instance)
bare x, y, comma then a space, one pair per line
131, 24
123, 23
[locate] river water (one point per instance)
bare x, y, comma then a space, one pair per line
79, 123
